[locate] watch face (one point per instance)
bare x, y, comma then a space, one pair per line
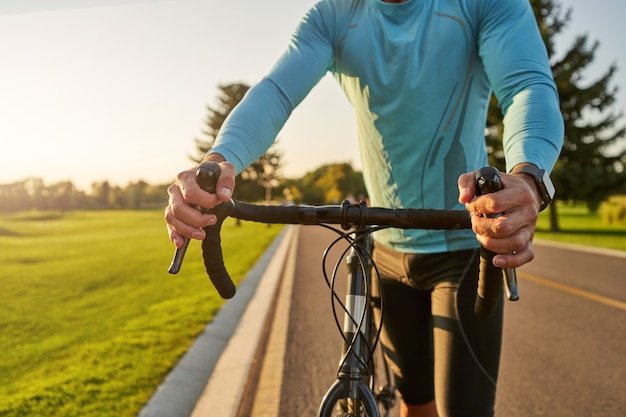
547, 182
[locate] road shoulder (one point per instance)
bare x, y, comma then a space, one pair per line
209, 379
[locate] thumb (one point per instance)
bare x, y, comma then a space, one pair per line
226, 181
467, 187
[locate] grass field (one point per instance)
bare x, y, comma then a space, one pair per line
581, 227
90, 320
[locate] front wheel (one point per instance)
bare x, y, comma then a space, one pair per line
334, 404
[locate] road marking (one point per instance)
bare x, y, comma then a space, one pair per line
267, 397
575, 291
225, 388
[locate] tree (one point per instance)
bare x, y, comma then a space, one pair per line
135, 195
100, 192
34, 194
15, 196
590, 166
257, 180
328, 184
63, 195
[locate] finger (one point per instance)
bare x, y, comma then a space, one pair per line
190, 191
467, 187
226, 181
178, 230
515, 195
501, 226
177, 239
514, 242
183, 219
491, 204
515, 259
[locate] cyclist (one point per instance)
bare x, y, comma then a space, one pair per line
419, 74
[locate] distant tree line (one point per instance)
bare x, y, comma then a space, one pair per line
35, 194
327, 184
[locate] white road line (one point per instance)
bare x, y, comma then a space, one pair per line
267, 398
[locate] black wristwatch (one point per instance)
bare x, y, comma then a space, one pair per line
542, 181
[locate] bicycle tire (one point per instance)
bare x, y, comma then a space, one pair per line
328, 406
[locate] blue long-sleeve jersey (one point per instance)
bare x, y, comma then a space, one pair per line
419, 75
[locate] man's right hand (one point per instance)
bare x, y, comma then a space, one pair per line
182, 219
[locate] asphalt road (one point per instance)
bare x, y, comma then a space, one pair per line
564, 341
565, 345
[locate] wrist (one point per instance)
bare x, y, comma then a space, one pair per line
214, 157
542, 184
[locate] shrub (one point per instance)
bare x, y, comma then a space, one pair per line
613, 211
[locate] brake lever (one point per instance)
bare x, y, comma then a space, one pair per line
488, 181
206, 176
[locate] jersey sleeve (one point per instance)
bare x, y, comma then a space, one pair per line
518, 68
251, 128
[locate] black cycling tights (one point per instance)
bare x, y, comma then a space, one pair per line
435, 344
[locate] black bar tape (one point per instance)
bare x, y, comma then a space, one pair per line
212, 253
488, 293
490, 277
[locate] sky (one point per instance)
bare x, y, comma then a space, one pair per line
117, 90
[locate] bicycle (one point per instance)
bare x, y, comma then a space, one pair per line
354, 393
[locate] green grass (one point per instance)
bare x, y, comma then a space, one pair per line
90, 320
579, 226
